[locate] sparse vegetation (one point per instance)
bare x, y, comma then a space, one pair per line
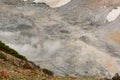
2, 56
48, 72
10, 51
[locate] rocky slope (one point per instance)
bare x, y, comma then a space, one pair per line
16, 68
73, 39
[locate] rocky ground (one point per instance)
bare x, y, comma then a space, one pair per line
73, 39
13, 68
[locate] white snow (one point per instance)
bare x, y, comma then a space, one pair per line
24, 0
53, 3
113, 14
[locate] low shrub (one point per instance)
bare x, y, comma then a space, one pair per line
48, 72
11, 51
2, 56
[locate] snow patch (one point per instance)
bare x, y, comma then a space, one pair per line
113, 14
53, 3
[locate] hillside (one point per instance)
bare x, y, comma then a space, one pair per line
18, 68
75, 39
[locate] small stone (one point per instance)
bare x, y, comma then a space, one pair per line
28, 65
64, 31
116, 77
